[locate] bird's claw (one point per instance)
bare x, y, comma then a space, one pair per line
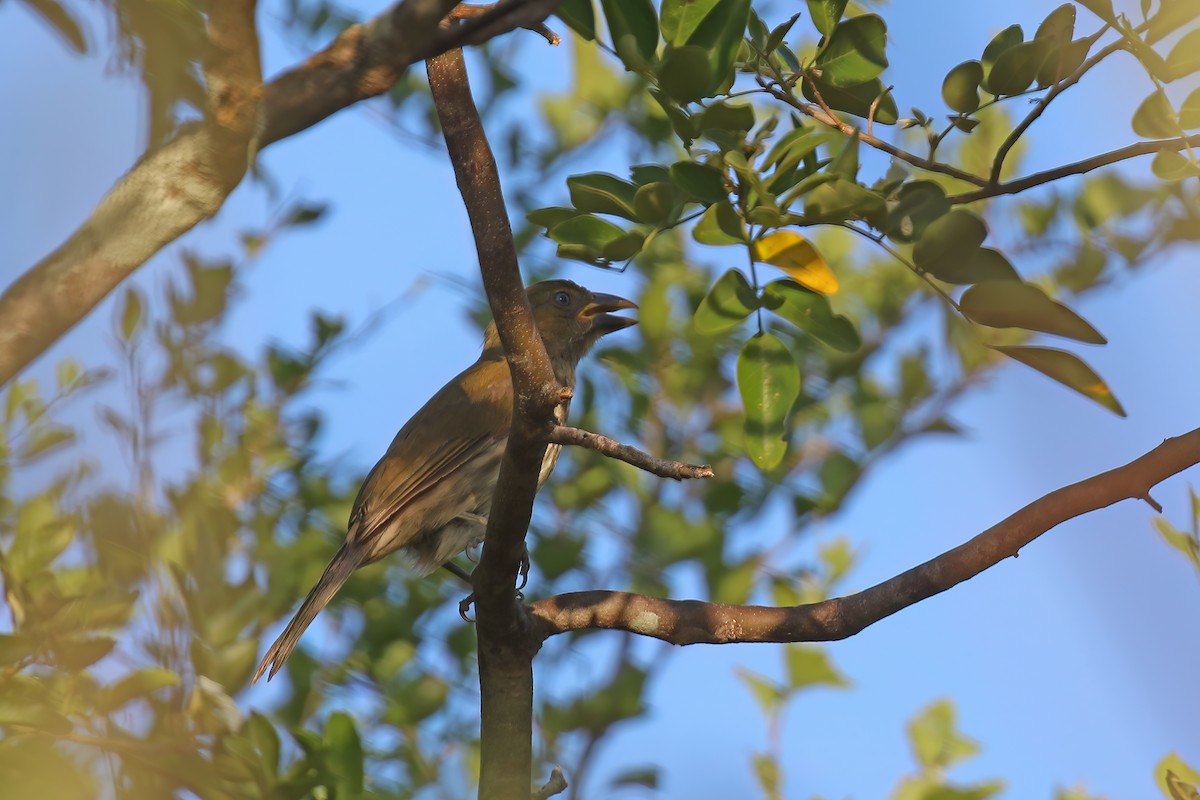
523, 572
464, 606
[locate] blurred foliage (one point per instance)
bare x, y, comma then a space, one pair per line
799, 322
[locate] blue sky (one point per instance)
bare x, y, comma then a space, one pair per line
1074, 663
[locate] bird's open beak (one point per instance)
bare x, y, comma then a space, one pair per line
598, 309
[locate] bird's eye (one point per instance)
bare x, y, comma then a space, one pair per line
563, 299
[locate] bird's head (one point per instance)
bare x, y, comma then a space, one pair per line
571, 319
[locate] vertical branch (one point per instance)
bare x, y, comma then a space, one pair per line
506, 643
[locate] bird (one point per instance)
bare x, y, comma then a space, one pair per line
429, 495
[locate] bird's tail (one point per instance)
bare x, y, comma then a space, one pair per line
338, 570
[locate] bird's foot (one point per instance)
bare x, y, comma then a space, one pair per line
464, 608
523, 572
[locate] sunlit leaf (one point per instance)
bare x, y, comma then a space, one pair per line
1181, 541
810, 666
1155, 118
1184, 58
1014, 304
795, 255
935, 738
1068, 370
1177, 779
854, 52
826, 14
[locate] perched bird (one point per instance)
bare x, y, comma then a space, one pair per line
430, 494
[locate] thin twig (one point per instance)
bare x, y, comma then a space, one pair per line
1041, 105
663, 468
831, 120
1077, 168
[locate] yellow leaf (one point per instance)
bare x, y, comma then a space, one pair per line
796, 256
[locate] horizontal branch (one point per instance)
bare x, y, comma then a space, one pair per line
1077, 168
663, 468
185, 181
692, 621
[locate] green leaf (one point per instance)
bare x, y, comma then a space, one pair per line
1155, 118
1062, 62
1183, 542
1184, 58
705, 183
845, 163
840, 199
15, 710
135, 685
550, 216
76, 655
685, 73
720, 33
1059, 25
769, 382
854, 52
730, 300
633, 26
1003, 41
586, 230
1173, 166
345, 753
1189, 112
1101, 8
131, 313
680, 18
811, 313
580, 17
720, 225
960, 89
766, 692
1016, 68
601, 193
778, 34
1068, 370
918, 203
733, 117
305, 214
655, 202
826, 14
1171, 16
856, 100
810, 666
935, 738
1014, 304
646, 777
947, 242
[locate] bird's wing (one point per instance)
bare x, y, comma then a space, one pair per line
463, 422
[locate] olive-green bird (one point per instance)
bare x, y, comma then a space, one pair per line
430, 494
